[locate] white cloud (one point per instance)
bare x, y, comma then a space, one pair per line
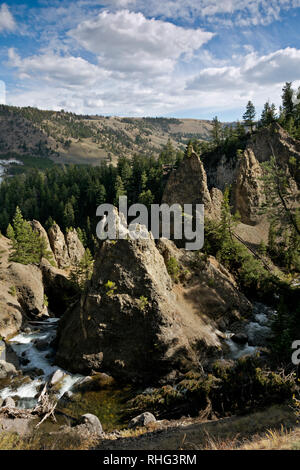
240, 12
75, 84
7, 22
127, 42
272, 69
58, 70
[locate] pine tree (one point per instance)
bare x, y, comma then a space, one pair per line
216, 132
268, 115
249, 115
69, 215
146, 198
189, 149
119, 190
287, 100
281, 209
82, 271
27, 245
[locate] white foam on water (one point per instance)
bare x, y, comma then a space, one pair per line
23, 345
258, 332
239, 350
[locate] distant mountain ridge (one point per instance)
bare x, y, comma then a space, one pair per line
69, 138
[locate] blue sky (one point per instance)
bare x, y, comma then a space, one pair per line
187, 58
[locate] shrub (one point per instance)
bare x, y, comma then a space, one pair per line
173, 268
110, 287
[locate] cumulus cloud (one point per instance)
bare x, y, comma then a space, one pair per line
7, 22
271, 69
124, 62
56, 69
128, 42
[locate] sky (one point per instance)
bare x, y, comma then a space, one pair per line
184, 59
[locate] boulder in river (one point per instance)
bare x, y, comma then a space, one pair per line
57, 376
240, 338
7, 370
9, 402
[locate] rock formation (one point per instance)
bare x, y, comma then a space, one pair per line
75, 247
28, 282
58, 287
59, 246
129, 323
68, 250
244, 173
188, 185
248, 188
37, 227
208, 286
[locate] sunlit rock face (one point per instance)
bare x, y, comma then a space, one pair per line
188, 185
129, 322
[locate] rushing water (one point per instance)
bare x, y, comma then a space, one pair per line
37, 362
108, 402
258, 332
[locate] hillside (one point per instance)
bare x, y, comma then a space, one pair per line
70, 138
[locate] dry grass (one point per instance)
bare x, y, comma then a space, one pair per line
55, 441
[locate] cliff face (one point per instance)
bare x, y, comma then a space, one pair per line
23, 287
248, 189
188, 185
67, 250
130, 322
244, 173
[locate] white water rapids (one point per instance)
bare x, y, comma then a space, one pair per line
258, 332
41, 361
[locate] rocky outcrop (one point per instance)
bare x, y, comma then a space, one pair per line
75, 247
59, 246
244, 173
90, 424
249, 188
37, 227
11, 315
275, 141
142, 420
7, 370
28, 282
188, 185
67, 250
208, 286
129, 322
58, 288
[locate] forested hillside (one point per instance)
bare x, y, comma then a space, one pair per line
69, 138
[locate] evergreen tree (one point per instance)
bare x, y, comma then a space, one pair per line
119, 190
287, 100
146, 198
216, 132
268, 115
189, 149
249, 115
282, 209
82, 271
27, 245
